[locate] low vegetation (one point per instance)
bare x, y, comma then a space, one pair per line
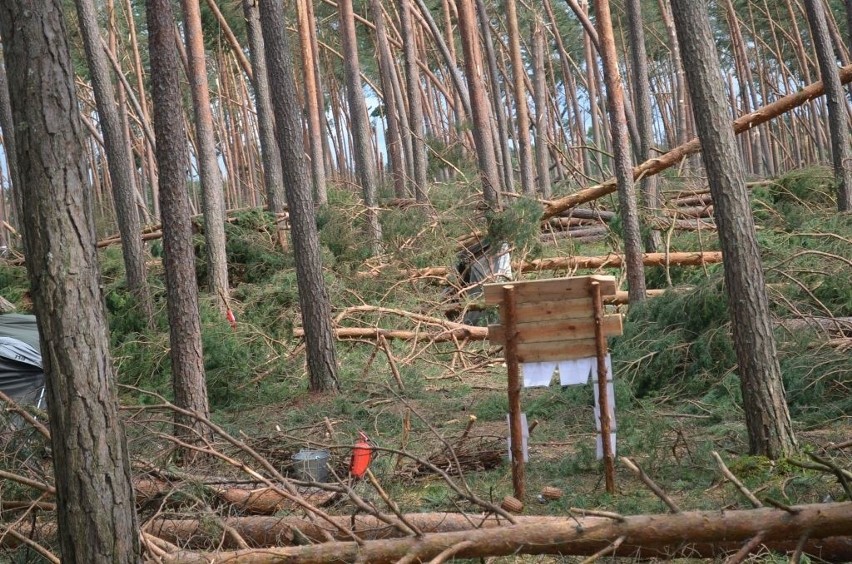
677, 389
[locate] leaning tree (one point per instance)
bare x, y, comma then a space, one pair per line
768, 423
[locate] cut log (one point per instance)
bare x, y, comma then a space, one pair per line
469, 332
697, 533
616, 261
267, 501
585, 213
569, 222
593, 263
689, 211
695, 200
697, 224
580, 233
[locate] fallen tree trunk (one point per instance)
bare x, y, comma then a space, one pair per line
708, 533
690, 211
568, 222
606, 261
585, 213
673, 157
469, 332
575, 233
697, 224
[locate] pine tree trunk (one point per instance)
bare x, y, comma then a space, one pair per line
837, 116
208, 165
315, 133
542, 143
313, 297
642, 90
479, 106
96, 511
272, 175
522, 118
393, 139
190, 387
415, 104
9, 146
144, 116
506, 177
621, 152
118, 159
359, 124
767, 418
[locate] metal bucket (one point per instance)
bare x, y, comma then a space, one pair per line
311, 465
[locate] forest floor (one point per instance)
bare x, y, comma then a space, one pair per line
677, 388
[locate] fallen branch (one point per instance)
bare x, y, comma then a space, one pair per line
704, 533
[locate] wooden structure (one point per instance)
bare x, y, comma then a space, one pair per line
549, 320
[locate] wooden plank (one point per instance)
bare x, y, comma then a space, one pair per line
561, 330
542, 352
580, 308
549, 289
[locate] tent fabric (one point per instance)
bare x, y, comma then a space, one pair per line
21, 374
20, 326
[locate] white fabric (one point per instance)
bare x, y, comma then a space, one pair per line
608, 368
575, 371
537, 373
610, 396
600, 445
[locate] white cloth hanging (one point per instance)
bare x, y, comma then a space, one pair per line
537, 373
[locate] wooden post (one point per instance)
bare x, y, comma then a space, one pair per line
511, 353
603, 397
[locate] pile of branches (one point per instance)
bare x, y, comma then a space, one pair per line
190, 516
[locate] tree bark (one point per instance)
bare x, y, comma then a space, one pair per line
643, 536
313, 297
838, 123
9, 145
359, 124
190, 387
96, 513
479, 105
542, 143
767, 418
621, 149
522, 118
642, 90
393, 139
415, 104
311, 103
208, 164
272, 175
506, 175
118, 159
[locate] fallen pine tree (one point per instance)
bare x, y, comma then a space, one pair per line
821, 529
677, 154
611, 260
469, 332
